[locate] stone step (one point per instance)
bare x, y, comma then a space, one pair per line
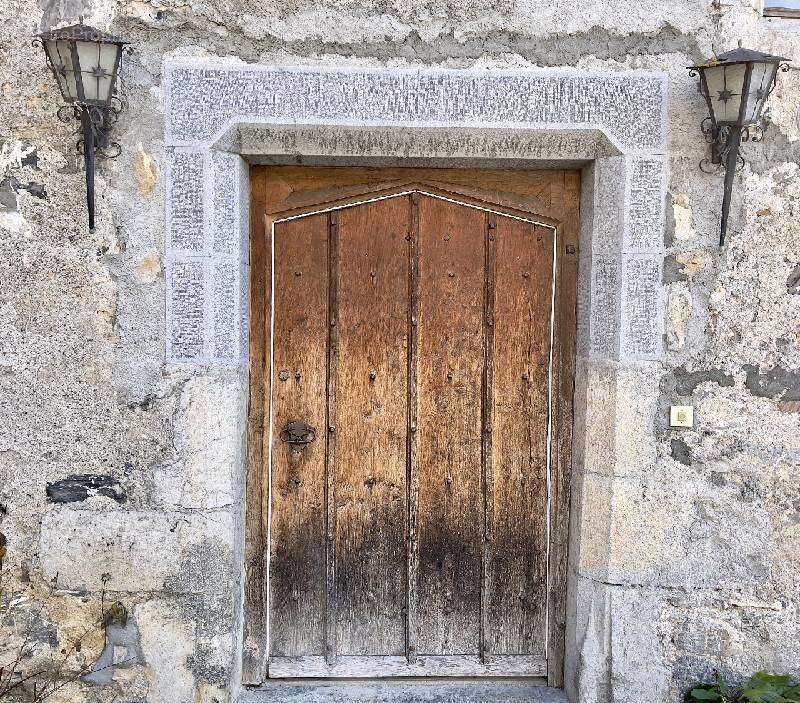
501, 691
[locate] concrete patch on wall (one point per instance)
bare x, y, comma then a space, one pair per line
82, 486
776, 382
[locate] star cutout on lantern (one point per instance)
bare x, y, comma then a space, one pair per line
100, 72
760, 94
62, 70
724, 95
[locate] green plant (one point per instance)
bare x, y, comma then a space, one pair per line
769, 688
761, 687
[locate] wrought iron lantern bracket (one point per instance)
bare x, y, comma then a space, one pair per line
736, 85
86, 64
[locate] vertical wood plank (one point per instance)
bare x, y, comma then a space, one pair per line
412, 475
449, 374
561, 450
331, 611
520, 407
254, 654
370, 494
487, 505
297, 557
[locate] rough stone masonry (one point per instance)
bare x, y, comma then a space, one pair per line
121, 475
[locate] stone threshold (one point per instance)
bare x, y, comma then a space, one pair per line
417, 691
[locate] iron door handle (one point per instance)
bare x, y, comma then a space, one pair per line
297, 434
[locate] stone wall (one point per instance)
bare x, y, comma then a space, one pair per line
121, 476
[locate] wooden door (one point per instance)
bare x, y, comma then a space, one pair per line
417, 363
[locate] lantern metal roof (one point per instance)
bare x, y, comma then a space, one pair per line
740, 55
81, 32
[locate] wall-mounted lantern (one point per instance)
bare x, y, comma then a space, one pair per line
85, 63
736, 86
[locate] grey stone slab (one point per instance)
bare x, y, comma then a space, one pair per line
139, 548
389, 146
185, 197
404, 692
204, 96
608, 215
604, 320
186, 309
584, 287
227, 333
243, 208
230, 191
642, 311
646, 188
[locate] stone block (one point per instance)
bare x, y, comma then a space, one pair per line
704, 634
584, 287
637, 408
231, 204
615, 419
167, 643
185, 195
229, 306
202, 97
639, 669
209, 446
140, 550
587, 664
608, 205
187, 284
670, 533
595, 412
646, 183
604, 322
642, 312
415, 144
590, 536
679, 312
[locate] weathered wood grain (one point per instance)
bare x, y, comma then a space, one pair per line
331, 384
297, 557
561, 450
374, 666
254, 641
292, 187
371, 398
456, 576
487, 477
412, 468
520, 407
449, 374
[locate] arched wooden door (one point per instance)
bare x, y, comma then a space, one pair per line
411, 410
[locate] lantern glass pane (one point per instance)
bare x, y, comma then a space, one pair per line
725, 91
761, 79
97, 61
60, 54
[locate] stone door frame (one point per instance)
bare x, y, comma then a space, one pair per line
222, 115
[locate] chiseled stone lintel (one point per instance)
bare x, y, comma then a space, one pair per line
222, 114
202, 96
